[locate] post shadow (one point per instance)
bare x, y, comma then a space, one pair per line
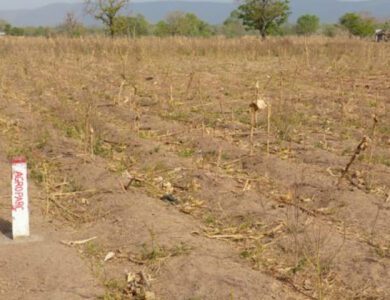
6, 228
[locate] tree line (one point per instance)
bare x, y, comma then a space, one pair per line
252, 17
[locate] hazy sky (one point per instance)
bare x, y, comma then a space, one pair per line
18, 4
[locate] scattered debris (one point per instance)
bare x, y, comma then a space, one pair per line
150, 296
132, 179
190, 207
138, 285
167, 186
109, 256
80, 242
257, 105
331, 172
260, 104
134, 259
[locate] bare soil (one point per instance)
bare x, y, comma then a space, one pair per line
144, 146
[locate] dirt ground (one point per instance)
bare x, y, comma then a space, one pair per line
148, 180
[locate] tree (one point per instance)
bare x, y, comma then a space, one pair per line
233, 26
386, 25
307, 24
106, 11
330, 30
357, 25
71, 26
15, 31
131, 26
180, 23
3, 25
264, 15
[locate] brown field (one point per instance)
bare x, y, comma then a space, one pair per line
110, 127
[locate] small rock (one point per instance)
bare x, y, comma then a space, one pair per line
170, 199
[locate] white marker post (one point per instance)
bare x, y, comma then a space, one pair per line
20, 212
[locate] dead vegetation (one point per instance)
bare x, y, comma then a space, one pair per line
105, 123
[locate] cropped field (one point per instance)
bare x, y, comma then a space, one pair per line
149, 146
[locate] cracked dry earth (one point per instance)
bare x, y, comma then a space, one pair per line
112, 127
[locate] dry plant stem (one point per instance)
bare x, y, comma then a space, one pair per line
254, 108
360, 148
119, 96
369, 179
144, 279
171, 100
269, 109
375, 222
219, 157
69, 194
373, 131
318, 265
137, 122
88, 132
257, 90
295, 226
221, 109
81, 242
203, 107
253, 126
281, 94
307, 54
47, 188
189, 85
65, 210
92, 141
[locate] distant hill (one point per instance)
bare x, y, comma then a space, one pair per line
53, 14
213, 12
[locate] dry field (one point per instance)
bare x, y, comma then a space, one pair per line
145, 146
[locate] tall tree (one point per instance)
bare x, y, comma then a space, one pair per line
308, 24
264, 15
106, 11
132, 26
358, 25
184, 24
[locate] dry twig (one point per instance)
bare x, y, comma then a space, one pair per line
360, 148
